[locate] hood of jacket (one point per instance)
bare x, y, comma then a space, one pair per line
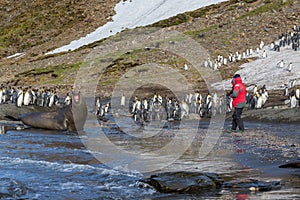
236, 80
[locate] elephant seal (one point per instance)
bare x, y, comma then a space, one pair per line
71, 118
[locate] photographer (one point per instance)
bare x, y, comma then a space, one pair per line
238, 93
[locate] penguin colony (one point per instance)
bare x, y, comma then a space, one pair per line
287, 40
24, 96
170, 108
158, 107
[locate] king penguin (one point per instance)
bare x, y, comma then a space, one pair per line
27, 98
20, 97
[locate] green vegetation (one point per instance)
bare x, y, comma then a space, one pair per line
268, 6
212, 26
51, 74
178, 19
92, 45
30, 23
108, 82
26, 24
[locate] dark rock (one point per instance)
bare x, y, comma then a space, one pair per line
184, 182
200, 183
252, 185
10, 188
201, 35
295, 164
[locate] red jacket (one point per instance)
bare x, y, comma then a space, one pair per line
239, 93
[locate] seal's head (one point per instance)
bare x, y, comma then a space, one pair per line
76, 97
78, 111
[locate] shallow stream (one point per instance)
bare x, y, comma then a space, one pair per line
56, 165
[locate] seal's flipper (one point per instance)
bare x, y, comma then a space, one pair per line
13, 118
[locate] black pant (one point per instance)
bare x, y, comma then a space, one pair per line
237, 120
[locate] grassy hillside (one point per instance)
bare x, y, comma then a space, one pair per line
26, 24
222, 29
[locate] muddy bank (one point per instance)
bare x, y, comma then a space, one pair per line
282, 115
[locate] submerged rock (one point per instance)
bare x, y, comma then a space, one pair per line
252, 185
10, 188
184, 182
199, 183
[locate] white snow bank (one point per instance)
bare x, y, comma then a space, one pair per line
17, 55
265, 71
135, 13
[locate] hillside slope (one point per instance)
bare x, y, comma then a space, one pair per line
40, 25
226, 27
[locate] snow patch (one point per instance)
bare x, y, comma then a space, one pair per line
136, 13
266, 71
16, 55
